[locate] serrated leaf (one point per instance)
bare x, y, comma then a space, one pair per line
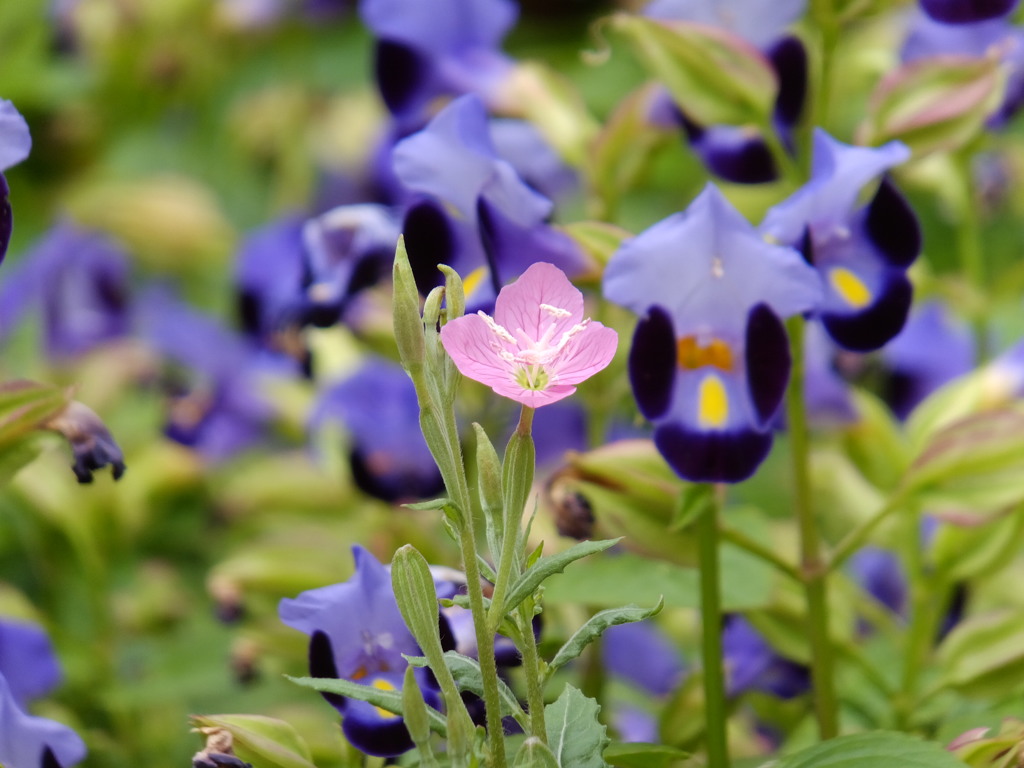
262, 740
535, 754
877, 749
389, 700
575, 735
596, 626
527, 584
641, 755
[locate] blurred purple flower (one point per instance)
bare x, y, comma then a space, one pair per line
538, 165
862, 253
357, 633
470, 209
932, 349
753, 665
79, 281
15, 143
966, 11
642, 654
826, 393
444, 48
389, 457
739, 153
880, 573
216, 407
710, 357
29, 669
928, 38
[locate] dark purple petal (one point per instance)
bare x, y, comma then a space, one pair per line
49, 759
872, 327
652, 363
6, 219
321, 664
735, 154
375, 735
754, 665
768, 361
789, 58
643, 655
966, 11
892, 226
879, 572
402, 74
430, 241
712, 457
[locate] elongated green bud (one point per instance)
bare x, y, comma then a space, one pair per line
455, 295
406, 314
489, 486
417, 721
535, 754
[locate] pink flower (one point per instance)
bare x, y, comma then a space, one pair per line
537, 347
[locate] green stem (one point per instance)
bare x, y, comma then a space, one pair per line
508, 560
534, 673
971, 253
711, 631
459, 489
811, 565
855, 539
759, 550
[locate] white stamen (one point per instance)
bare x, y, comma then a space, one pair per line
717, 268
555, 311
496, 329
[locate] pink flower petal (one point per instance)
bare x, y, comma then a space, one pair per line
474, 348
534, 398
588, 352
519, 304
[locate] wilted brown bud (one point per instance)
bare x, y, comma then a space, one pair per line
219, 751
91, 442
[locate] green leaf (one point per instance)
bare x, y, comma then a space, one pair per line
937, 104
641, 755
389, 700
713, 75
959, 552
261, 740
973, 466
527, 584
608, 582
984, 655
25, 406
16, 454
695, 500
535, 754
434, 505
595, 626
575, 735
598, 239
877, 749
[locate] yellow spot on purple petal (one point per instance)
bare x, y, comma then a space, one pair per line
473, 280
850, 287
712, 403
383, 685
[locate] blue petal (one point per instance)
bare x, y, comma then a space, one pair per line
789, 58
404, 76
268, 274
442, 27
712, 457
453, 159
15, 141
652, 363
430, 239
321, 664
708, 267
24, 738
6, 218
734, 153
27, 661
644, 656
537, 164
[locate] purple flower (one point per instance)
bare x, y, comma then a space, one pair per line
268, 276
861, 253
378, 407
215, 407
928, 38
931, 350
753, 665
443, 48
880, 573
471, 210
29, 669
79, 281
966, 11
521, 144
357, 633
739, 153
15, 143
710, 357
640, 653
826, 392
